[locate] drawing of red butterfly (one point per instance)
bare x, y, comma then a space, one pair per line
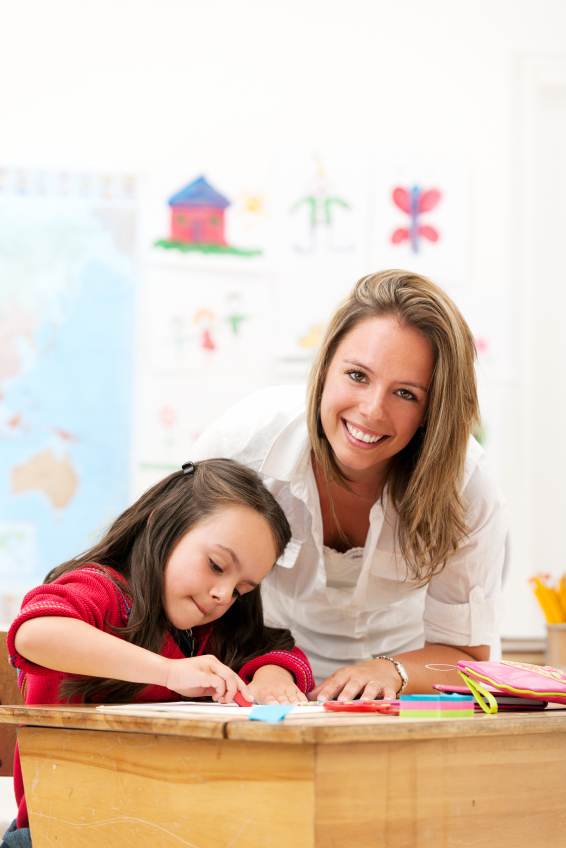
415, 202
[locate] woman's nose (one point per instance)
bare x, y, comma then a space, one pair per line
373, 406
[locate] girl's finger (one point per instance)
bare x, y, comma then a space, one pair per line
219, 686
244, 690
231, 689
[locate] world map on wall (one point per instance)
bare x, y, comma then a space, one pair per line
66, 339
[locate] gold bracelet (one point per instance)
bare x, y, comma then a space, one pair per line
402, 673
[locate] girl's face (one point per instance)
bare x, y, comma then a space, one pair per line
221, 558
375, 395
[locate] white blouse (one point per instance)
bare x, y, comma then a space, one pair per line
346, 610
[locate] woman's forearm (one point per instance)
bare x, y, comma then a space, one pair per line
75, 647
379, 678
441, 658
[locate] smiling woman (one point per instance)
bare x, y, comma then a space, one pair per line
398, 528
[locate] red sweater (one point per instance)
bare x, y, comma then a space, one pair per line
89, 594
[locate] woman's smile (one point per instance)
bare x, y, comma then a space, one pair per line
361, 437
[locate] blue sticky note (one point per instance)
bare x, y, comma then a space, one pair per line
270, 712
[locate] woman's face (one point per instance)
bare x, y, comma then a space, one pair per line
221, 558
375, 395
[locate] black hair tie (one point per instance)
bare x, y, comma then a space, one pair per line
188, 468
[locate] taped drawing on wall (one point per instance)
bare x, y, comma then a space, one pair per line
320, 213
322, 228
415, 202
197, 222
420, 218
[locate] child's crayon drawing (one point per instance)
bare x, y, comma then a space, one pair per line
415, 202
320, 204
197, 221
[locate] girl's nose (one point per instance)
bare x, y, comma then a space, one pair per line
222, 594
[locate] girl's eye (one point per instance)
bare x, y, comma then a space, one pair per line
215, 567
406, 394
357, 376
236, 593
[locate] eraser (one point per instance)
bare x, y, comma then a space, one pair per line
241, 701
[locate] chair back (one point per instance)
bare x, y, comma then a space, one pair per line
9, 695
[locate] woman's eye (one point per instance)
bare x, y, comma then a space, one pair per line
236, 593
215, 567
357, 376
405, 393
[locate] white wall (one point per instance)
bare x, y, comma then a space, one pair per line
135, 85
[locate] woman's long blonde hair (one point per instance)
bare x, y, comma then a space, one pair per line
425, 478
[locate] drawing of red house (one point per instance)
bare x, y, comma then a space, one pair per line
197, 215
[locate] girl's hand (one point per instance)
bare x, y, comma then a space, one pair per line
272, 684
206, 676
371, 680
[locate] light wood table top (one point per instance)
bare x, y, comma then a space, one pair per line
334, 729
98, 779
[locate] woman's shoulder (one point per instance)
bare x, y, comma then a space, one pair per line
246, 431
481, 488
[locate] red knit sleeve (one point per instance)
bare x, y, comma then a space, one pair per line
294, 661
88, 594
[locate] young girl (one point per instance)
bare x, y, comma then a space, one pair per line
168, 604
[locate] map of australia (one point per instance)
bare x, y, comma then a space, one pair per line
66, 336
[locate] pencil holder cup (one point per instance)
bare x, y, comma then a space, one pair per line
556, 646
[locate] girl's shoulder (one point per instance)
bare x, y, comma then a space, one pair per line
96, 578
246, 431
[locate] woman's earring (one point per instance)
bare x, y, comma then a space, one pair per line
319, 430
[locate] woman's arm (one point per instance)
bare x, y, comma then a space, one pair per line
75, 647
368, 678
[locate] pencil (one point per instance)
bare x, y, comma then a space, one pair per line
548, 601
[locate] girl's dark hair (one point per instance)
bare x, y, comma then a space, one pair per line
139, 549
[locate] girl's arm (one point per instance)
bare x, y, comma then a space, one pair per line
75, 647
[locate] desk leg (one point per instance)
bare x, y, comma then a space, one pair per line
98, 788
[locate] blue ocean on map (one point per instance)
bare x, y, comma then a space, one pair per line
67, 302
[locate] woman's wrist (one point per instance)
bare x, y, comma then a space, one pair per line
399, 671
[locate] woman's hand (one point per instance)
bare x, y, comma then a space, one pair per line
371, 680
205, 676
272, 684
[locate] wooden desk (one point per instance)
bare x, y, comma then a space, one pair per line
118, 780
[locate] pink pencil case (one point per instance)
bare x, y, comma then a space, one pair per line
513, 678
